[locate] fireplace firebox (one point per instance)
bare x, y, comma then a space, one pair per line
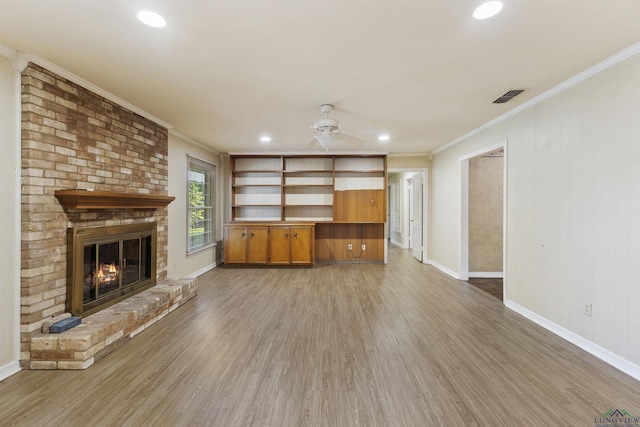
109, 264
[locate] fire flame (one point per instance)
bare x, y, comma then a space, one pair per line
110, 276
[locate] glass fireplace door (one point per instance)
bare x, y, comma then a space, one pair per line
112, 266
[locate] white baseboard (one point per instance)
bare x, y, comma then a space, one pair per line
9, 369
603, 354
444, 269
487, 274
202, 271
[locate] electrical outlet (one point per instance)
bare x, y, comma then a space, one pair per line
364, 247
587, 309
350, 246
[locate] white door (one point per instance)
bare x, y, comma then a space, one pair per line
416, 215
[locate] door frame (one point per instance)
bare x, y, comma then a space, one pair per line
425, 208
411, 184
463, 231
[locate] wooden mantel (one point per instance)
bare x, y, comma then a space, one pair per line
87, 199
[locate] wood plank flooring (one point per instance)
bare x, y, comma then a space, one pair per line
334, 345
491, 286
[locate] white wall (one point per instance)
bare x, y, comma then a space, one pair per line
180, 265
573, 197
9, 218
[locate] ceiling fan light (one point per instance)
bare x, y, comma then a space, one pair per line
326, 140
487, 10
384, 138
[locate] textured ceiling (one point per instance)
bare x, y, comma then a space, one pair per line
226, 72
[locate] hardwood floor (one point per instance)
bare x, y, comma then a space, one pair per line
334, 345
491, 286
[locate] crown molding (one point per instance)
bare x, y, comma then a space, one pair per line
192, 141
20, 60
425, 154
578, 78
307, 153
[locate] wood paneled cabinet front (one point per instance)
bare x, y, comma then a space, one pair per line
269, 244
245, 245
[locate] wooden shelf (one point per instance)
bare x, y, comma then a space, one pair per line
84, 199
304, 186
258, 206
308, 185
259, 171
324, 171
256, 185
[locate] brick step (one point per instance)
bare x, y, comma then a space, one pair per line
102, 332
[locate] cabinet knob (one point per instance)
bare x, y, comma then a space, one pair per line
251, 235
286, 235
242, 234
295, 234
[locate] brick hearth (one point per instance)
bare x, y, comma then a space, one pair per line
101, 333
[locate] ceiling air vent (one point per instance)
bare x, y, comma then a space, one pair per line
508, 96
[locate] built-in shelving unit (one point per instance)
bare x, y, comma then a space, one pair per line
303, 188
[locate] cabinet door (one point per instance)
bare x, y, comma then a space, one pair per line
235, 251
279, 245
302, 245
257, 245
371, 206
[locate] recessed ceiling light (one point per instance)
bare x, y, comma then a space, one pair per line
384, 138
487, 10
151, 19
265, 139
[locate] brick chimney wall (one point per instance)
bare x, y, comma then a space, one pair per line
73, 138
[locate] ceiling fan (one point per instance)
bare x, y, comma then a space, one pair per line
328, 131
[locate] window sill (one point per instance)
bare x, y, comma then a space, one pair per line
201, 249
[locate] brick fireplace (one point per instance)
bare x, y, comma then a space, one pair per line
73, 138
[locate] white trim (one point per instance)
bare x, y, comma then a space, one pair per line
90, 86
444, 269
505, 219
426, 153
202, 271
9, 369
463, 229
308, 153
17, 214
192, 141
425, 207
601, 353
486, 274
463, 215
578, 78
7, 52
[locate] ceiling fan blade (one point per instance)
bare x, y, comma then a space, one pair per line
350, 139
310, 143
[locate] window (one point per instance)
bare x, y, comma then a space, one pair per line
200, 210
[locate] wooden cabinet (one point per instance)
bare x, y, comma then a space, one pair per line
360, 206
246, 245
257, 249
271, 244
302, 245
235, 245
280, 245
290, 194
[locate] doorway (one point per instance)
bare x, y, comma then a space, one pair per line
407, 211
483, 185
